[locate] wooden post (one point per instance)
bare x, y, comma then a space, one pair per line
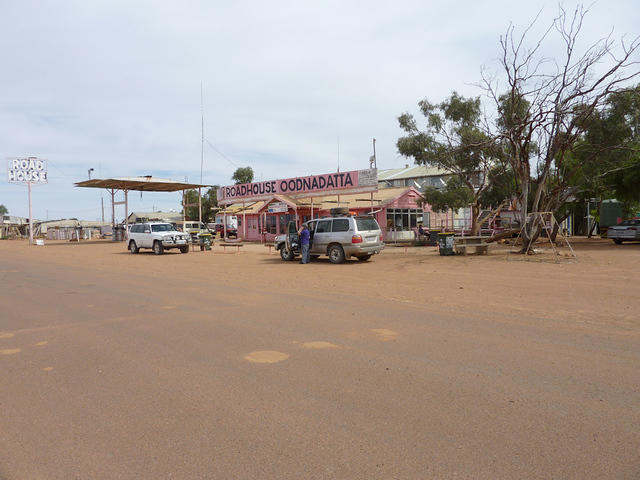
113, 215
126, 215
184, 208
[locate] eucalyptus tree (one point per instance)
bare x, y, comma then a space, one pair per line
546, 104
453, 139
243, 175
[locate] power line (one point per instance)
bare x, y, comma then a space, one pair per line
49, 162
220, 153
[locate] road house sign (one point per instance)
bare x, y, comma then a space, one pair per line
340, 182
27, 170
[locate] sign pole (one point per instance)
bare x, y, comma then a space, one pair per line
27, 170
30, 216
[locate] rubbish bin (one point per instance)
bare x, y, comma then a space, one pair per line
433, 236
445, 243
118, 234
205, 241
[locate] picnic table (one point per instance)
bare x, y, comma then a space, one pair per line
224, 246
462, 244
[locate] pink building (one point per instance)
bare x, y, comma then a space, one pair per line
397, 210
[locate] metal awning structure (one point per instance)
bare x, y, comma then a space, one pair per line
142, 184
145, 183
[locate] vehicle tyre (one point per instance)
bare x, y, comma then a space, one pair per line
133, 248
364, 258
184, 249
336, 254
617, 241
158, 249
286, 255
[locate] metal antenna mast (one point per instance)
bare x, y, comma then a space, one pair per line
202, 132
201, 153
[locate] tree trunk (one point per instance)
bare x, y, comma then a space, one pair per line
528, 233
506, 234
556, 227
475, 213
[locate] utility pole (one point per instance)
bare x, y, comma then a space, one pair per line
373, 163
201, 153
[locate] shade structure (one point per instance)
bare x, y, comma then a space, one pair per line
144, 184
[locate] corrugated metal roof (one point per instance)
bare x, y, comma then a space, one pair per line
146, 183
416, 171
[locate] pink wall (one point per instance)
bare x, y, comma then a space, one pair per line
408, 200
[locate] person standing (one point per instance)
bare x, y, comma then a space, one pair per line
304, 235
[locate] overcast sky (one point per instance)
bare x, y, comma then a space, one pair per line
291, 88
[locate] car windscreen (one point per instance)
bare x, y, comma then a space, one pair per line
162, 227
366, 223
629, 222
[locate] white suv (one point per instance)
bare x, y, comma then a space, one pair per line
157, 236
338, 237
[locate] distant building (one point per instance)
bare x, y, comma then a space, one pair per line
13, 227
71, 229
170, 217
417, 176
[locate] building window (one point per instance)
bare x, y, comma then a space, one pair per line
270, 224
400, 219
284, 221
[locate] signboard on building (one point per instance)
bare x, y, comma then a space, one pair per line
27, 170
278, 207
355, 181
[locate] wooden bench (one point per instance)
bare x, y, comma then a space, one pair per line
462, 244
224, 246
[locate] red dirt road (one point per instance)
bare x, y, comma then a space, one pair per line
410, 366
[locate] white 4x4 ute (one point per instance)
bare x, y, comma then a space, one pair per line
157, 236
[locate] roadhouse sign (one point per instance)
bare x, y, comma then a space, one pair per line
339, 182
27, 170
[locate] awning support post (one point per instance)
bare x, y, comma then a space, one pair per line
126, 214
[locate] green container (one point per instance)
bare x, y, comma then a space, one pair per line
205, 241
610, 211
445, 243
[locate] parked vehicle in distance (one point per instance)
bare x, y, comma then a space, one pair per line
191, 227
625, 231
231, 231
338, 237
158, 236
